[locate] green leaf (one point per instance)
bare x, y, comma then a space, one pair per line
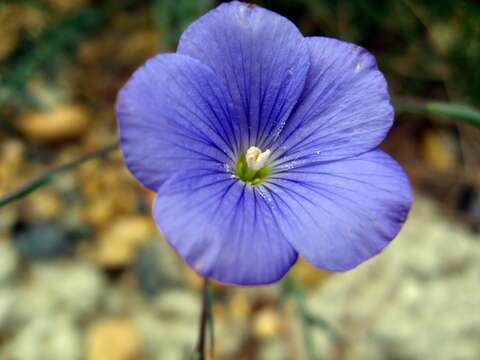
465, 112
461, 112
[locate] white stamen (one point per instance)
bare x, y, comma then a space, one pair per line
256, 159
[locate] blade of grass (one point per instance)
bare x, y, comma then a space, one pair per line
307, 319
50, 175
293, 289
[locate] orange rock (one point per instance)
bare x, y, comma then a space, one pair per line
64, 122
113, 339
266, 324
119, 242
439, 150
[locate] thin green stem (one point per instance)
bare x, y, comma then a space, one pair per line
50, 175
211, 324
205, 315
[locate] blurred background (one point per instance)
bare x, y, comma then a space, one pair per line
85, 275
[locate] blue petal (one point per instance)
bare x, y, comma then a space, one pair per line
261, 56
223, 229
344, 110
342, 213
175, 114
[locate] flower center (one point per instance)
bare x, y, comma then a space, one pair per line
256, 159
251, 167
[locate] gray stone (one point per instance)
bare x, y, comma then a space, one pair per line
115, 300
71, 287
163, 335
156, 267
76, 287
8, 262
32, 300
8, 301
168, 327
46, 338
179, 304
42, 240
274, 349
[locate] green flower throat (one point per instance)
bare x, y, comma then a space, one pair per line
251, 167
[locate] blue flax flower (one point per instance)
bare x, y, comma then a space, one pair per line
261, 145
